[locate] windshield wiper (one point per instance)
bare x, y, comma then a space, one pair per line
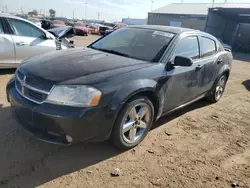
112, 52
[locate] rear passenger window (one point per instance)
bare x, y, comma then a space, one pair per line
1, 27
208, 47
188, 47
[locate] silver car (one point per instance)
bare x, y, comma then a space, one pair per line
20, 39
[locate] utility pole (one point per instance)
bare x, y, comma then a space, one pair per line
86, 12
21, 9
152, 2
73, 15
213, 4
98, 16
6, 8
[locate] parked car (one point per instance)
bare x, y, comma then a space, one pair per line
58, 23
117, 26
47, 24
94, 30
81, 29
117, 86
106, 26
20, 39
226, 46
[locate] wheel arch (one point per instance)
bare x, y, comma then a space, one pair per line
148, 88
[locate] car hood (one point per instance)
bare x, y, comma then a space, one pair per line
61, 32
76, 66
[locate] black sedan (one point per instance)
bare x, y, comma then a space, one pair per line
117, 86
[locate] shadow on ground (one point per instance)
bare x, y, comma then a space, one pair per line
241, 57
7, 71
246, 83
27, 162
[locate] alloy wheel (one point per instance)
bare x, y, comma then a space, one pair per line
220, 88
136, 122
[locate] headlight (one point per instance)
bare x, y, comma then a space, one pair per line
75, 95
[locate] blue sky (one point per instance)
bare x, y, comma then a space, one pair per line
108, 9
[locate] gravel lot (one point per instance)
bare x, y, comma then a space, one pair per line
202, 145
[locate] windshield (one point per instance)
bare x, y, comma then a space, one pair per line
142, 44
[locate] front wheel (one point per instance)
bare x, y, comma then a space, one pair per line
133, 123
218, 89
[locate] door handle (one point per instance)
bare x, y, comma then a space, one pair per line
199, 67
21, 43
219, 61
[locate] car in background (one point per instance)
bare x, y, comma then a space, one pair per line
21, 39
81, 29
58, 23
47, 24
94, 30
106, 26
35, 21
226, 46
117, 26
118, 86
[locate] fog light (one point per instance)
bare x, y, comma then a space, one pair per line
69, 139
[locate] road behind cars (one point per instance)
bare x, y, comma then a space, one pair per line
200, 146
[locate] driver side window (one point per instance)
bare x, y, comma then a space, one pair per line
188, 47
21, 28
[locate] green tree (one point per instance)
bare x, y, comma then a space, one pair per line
52, 12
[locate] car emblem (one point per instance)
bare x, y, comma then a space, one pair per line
24, 81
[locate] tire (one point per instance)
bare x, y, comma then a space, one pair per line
130, 128
218, 89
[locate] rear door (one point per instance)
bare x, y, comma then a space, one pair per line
7, 49
211, 60
184, 83
29, 40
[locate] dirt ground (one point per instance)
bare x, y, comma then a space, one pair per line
202, 145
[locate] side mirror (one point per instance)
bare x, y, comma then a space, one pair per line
183, 61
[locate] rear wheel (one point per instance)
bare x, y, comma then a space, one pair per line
218, 89
133, 123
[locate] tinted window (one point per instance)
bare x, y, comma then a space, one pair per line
188, 47
1, 27
208, 47
143, 44
21, 28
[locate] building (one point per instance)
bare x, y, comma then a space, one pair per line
226, 21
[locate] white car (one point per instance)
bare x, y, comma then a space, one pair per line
21, 39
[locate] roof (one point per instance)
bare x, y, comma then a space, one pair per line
170, 29
196, 8
6, 15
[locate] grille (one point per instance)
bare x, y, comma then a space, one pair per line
29, 92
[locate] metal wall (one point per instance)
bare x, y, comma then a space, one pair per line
221, 27
188, 21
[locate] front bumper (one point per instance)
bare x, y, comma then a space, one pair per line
58, 124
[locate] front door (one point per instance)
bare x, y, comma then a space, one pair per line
7, 50
29, 40
184, 82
